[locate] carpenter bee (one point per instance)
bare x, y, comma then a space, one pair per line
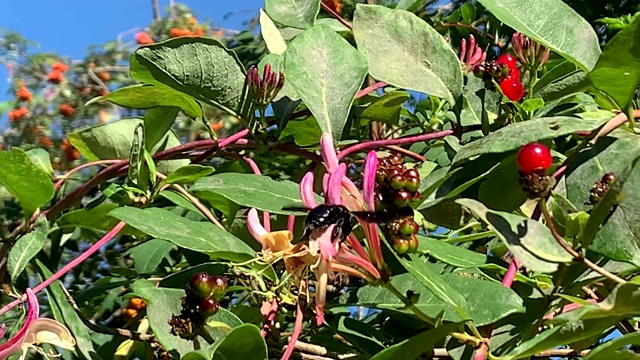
325, 215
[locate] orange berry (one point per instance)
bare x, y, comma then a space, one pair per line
102, 92
55, 77
17, 114
59, 66
66, 110
176, 32
137, 304
192, 20
129, 314
143, 38
23, 94
104, 76
70, 153
198, 32
217, 126
334, 5
45, 141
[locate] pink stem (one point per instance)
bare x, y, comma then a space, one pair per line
75, 262
297, 329
399, 141
270, 317
507, 281
80, 167
291, 222
369, 89
266, 217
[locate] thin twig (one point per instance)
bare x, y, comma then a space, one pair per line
156, 10
342, 21
406, 152
578, 257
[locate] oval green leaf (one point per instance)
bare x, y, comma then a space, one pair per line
299, 14
25, 180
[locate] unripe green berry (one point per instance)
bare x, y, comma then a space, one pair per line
401, 246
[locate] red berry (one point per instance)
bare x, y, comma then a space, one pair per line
402, 198
513, 74
219, 286
201, 284
413, 244
208, 307
406, 227
412, 184
533, 157
512, 89
412, 174
608, 178
508, 60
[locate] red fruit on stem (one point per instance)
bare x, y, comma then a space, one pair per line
412, 174
402, 198
208, 307
512, 89
401, 245
513, 74
413, 244
534, 157
508, 60
412, 184
397, 182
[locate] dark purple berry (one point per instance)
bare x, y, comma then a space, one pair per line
397, 182
395, 159
412, 174
412, 184
608, 178
208, 307
201, 285
402, 198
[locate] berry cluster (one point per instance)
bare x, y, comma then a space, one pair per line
396, 190
201, 302
505, 72
57, 70
134, 306
66, 110
600, 188
533, 161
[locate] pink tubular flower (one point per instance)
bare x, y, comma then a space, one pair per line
35, 331
351, 258
471, 54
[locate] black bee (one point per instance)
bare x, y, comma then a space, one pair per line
325, 215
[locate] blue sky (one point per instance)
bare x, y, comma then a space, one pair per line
68, 27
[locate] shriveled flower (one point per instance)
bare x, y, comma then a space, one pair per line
529, 52
471, 54
35, 331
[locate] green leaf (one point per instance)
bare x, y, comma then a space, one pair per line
451, 254
27, 247
502, 179
95, 219
67, 315
162, 304
533, 104
193, 235
553, 74
573, 38
40, 157
387, 108
327, 72
25, 180
271, 35
149, 96
114, 141
416, 345
303, 132
530, 241
617, 72
242, 342
616, 348
148, 255
213, 74
514, 136
157, 123
188, 174
435, 283
253, 191
179, 200
486, 301
394, 41
619, 237
294, 13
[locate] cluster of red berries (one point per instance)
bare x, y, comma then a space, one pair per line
600, 188
17, 114
505, 71
396, 190
70, 153
143, 38
533, 161
23, 94
203, 292
57, 70
135, 306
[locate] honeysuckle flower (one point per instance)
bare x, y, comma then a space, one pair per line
350, 257
264, 90
529, 52
471, 54
35, 331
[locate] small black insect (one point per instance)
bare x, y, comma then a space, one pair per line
325, 215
